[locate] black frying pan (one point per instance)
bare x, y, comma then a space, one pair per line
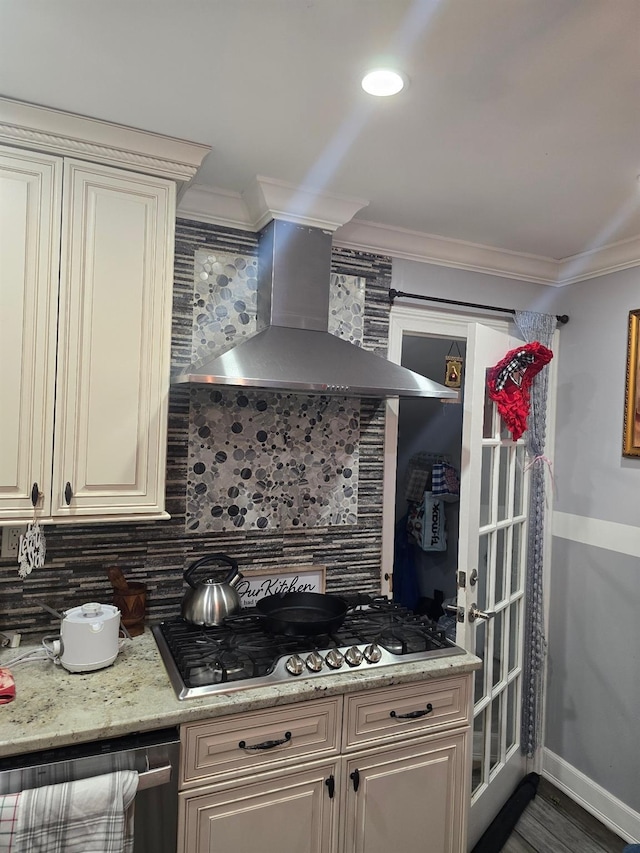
306, 613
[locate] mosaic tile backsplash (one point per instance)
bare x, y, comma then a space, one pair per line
224, 302
157, 553
268, 460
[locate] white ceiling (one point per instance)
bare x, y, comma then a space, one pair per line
520, 128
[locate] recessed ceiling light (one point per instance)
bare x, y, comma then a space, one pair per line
383, 82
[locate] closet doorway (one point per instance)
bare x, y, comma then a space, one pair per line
429, 438
483, 532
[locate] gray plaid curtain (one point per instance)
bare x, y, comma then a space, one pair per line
535, 327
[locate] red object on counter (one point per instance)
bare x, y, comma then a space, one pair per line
7, 687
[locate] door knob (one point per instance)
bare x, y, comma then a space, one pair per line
459, 611
474, 613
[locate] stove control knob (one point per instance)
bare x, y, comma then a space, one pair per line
353, 656
314, 662
295, 665
334, 659
372, 653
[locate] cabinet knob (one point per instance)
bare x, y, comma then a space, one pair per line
68, 494
331, 786
35, 494
355, 778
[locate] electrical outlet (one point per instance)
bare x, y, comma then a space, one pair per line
11, 541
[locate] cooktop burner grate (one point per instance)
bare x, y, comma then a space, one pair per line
241, 654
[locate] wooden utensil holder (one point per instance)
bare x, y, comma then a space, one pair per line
132, 604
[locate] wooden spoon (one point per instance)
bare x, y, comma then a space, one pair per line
118, 580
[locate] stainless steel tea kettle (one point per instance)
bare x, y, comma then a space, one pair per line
206, 602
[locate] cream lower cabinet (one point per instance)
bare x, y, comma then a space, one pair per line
86, 270
368, 773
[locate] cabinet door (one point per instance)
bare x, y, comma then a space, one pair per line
410, 798
285, 813
113, 343
30, 190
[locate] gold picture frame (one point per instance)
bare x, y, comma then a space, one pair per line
631, 432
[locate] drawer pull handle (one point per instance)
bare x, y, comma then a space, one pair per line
331, 786
266, 744
413, 715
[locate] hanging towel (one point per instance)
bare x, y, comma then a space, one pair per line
86, 816
8, 818
445, 482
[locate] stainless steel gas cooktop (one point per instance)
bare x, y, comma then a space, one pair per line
241, 654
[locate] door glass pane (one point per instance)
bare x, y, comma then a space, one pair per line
511, 715
503, 482
486, 476
481, 652
518, 501
478, 760
497, 648
517, 557
514, 634
488, 419
501, 553
496, 715
483, 569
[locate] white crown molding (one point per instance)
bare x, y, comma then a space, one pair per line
216, 206
601, 261
221, 207
57, 132
442, 251
268, 199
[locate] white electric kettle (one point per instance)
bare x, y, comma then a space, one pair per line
89, 637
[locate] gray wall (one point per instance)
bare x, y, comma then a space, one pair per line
593, 697
449, 283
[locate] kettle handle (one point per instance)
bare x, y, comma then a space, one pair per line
205, 561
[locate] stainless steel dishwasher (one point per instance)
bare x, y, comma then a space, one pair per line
154, 755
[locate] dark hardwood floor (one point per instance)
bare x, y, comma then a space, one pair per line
554, 823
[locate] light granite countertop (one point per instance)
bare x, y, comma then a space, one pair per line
54, 708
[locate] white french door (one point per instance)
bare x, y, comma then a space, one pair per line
492, 541
491, 562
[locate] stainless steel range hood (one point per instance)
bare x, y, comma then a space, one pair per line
293, 349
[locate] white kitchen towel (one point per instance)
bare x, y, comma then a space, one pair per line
86, 816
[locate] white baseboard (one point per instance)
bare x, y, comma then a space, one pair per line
610, 811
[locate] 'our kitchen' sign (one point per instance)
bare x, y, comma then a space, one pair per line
256, 584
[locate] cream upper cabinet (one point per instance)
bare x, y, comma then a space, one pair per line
85, 333
87, 218
114, 339
30, 203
